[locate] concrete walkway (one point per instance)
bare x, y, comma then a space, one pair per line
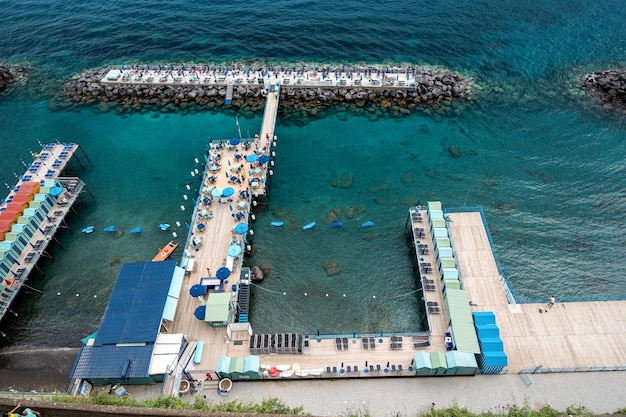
599, 392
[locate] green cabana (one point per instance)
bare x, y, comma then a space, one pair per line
223, 367
434, 205
438, 363
438, 223
440, 232
423, 365
218, 309
447, 262
252, 367
452, 283
442, 242
237, 367
461, 363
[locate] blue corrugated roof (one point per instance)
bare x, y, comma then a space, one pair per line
108, 362
136, 305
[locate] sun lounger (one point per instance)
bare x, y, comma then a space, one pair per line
344, 343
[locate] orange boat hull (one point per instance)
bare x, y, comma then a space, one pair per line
165, 252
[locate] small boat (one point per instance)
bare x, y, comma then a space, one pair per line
88, 229
308, 226
110, 229
336, 224
164, 226
368, 224
165, 252
277, 224
136, 230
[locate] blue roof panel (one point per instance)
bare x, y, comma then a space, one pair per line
136, 306
109, 362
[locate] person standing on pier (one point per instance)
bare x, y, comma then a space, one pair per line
552, 301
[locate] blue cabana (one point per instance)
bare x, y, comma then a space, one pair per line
252, 367
223, 367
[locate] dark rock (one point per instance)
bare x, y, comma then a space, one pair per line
332, 268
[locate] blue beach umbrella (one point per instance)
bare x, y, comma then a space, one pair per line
228, 191
200, 313
263, 159
197, 290
216, 192
241, 228
234, 250
251, 158
222, 273
234, 141
55, 191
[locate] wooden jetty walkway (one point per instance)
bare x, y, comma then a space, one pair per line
566, 337
43, 198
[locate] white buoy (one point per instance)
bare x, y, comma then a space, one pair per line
305, 294
193, 174
196, 160
196, 171
174, 234
187, 186
58, 293
326, 295
177, 223
253, 216
77, 294
284, 293
272, 163
182, 208
251, 231
95, 296
185, 197
271, 172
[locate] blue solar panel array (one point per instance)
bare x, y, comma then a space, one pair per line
133, 316
113, 362
136, 305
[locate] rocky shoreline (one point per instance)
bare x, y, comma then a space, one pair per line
433, 88
609, 86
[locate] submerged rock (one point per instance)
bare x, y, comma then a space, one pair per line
332, 268
344, 180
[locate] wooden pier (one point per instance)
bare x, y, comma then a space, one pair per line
566, 337
58, 194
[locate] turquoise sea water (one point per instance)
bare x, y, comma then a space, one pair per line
548, 169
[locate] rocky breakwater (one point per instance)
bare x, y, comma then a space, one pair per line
609, 86
431, 89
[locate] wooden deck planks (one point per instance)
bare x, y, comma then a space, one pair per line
568, 335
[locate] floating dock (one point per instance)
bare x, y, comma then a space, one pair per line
32, 212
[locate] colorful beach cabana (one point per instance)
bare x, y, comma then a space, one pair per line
460, 363
236, 369
252, 367
223, 367
423, 365
438, 363
218, 309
